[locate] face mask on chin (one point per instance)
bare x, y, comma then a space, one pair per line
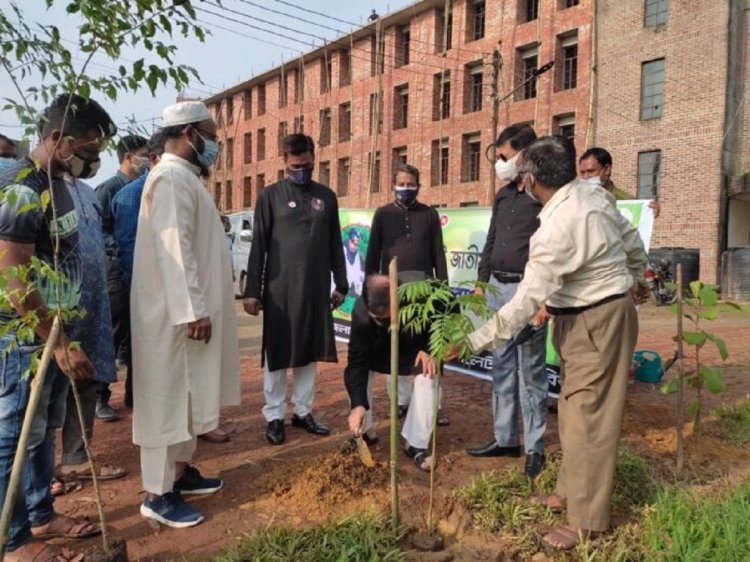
406, 195
6, 162
506, 170
301, 176
527, 185
594, 181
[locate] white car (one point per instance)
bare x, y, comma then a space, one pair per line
241, 236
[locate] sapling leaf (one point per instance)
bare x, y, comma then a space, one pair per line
695, 288
712, 379
720, 344
694, 338
693, 407
708, 296
709, 313
669, 387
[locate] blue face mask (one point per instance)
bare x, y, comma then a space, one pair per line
406, 195
209, 154
302, 176
6, 162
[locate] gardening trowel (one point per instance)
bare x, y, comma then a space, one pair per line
364, 452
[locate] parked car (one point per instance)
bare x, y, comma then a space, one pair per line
242, 237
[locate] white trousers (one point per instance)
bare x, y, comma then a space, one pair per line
417, 428
405, 385
158, 465
303, 391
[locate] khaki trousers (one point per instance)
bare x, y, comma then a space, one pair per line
596, 350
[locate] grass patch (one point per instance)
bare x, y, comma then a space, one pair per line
734, 422
360, 537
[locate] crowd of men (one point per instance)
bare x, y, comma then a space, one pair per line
145, 255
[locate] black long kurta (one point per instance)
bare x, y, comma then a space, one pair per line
413, 235
296, 246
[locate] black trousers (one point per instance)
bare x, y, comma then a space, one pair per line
119, 303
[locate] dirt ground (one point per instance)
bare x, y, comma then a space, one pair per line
308, 479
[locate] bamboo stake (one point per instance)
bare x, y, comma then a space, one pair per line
18, 461
680, 376
430, 528
393, 276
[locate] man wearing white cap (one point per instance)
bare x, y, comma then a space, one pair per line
184, 328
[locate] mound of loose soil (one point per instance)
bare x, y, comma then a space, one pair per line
331, 484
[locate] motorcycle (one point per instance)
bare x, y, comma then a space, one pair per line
658, 278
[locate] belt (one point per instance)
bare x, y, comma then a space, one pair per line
568, 311
505, 277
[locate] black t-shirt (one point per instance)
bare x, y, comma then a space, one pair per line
23, 220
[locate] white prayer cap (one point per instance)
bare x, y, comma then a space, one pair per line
185, 112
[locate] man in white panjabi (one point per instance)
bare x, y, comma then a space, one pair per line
184, 328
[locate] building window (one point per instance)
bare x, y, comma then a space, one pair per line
220, 157
261, 148
472, 156
373, 171
325, 127
247, 149
401, 107
528, 10
469, 204
565, 4
283, 130
648, 174
656, 12
299, 85
403, 46
477, 16
567, 69
525, 76
228, 196
377, 58
282, 88
440, 158
399, 157
299, 124
247, 104
443, 30
326, 71
261, 99
652, 89
345, 121
220, 115
217, 194
260, 181
345, 68
247, 192
324, 173
441, 96
565, 126
473, 87
343, 168
230, 110
376, 112
230, 153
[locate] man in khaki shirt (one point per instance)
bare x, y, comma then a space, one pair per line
584, 261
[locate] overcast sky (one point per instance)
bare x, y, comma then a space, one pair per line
225, 59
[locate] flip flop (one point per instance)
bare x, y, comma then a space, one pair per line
75, 529
553, 502
421, 457
106, 472
60, 488
42, 552
215, 436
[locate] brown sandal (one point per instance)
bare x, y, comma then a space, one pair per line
42, 552
106, 472
62, 526
553, 502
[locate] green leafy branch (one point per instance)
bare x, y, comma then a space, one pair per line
702, 305
432, 306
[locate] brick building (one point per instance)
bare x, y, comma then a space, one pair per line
671, 77
435, 110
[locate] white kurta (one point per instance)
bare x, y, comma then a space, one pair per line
181, 273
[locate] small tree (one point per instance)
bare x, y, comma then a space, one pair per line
701, 306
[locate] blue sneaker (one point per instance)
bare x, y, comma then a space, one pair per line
192, 483
171, 510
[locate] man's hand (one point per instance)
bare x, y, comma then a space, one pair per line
337, 299
200, 330
640, 291
357, 420
73, 362
541, 317
427, 362
252, 306
656, 207
479, 291
452, 354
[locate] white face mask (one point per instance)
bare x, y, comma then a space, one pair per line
506, 170
594, 181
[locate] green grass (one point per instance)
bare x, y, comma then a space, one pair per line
366, 537
734, 422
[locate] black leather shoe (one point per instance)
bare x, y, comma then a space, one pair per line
534, 464
494, 450
275, 432
309, 424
